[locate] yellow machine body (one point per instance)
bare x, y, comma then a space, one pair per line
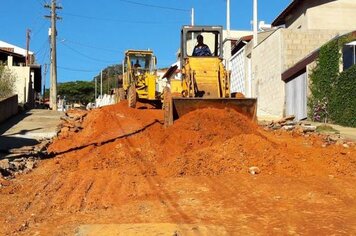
176, 87
140, 74
205, 77
205, 81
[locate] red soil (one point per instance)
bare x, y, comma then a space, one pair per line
124, 160
205, 142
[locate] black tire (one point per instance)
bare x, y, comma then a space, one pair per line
121, 94
132, 96
168, 107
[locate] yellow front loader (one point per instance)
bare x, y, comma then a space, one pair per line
205, 81
139, 77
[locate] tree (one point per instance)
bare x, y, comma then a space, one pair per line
84, 91
78, 91
7, 82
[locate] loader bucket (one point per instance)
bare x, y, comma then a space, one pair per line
182, 106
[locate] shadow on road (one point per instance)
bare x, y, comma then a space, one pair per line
6, 125
23, 131
8, 142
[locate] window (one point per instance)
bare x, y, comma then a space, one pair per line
349, 55
143, 61
211, 39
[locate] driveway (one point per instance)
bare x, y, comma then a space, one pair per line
26, 129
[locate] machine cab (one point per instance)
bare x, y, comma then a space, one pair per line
203, 73
137, 65
201, 41
143, 61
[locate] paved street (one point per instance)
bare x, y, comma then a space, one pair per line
27, 128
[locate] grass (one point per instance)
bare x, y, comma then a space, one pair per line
326, 129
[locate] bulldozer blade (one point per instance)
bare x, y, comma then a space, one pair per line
245, 106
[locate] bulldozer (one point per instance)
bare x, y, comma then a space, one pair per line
205, 82
139, 78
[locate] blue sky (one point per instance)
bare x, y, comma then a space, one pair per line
94, 34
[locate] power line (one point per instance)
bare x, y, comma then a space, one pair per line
37, 26
43, 46
86, 56
41, 3
39, 29
45, 57
121, 21
78, 70
155, 6
90, 46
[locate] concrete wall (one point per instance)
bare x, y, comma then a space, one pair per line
337, 15
22, 74
312, 24
297, 44
323, 14
266, 77
298, 20
24, 80
8, 108
275, 54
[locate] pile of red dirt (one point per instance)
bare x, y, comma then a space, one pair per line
125, 167
104, 124
205, 128
204, 142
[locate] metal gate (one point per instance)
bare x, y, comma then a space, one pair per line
296, 97
238, 72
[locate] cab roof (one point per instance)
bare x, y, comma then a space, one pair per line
133, 51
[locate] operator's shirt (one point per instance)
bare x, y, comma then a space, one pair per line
201, 51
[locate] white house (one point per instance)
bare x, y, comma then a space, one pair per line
300, 29
28, 78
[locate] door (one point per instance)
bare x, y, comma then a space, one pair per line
296, 97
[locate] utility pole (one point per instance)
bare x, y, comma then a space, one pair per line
28, 38
108, 78
255, 33
96, 84
192, 17
228, 17
44, 81
101, 84
227, 39
54, 18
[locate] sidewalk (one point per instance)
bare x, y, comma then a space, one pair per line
346, 132
27, 128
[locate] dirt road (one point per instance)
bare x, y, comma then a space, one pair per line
124, 173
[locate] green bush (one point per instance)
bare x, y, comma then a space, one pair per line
322, 79
342, 106
333, 93
7, 81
